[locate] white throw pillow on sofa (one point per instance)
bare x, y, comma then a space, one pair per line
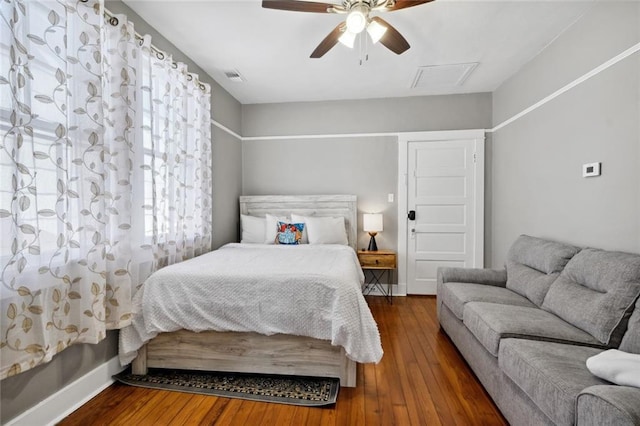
615, 366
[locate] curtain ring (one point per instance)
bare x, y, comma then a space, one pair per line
174, 65
189, 77
113, 20
160, 55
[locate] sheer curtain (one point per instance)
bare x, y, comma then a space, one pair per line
105, 174
166, 114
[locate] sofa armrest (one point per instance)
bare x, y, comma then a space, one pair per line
494, 277
604, 405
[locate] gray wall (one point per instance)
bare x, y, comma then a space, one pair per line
27, 389
367, 167
453, 112
364, 166
21, 392
536, 184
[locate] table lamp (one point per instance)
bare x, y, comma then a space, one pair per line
372, 223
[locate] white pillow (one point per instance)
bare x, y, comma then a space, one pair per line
621, 368
326, 230
271, 229
295, 218
253, 229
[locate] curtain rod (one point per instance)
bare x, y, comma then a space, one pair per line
160, 54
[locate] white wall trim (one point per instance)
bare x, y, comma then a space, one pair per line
403, 170
479, 170
321, 136
630, 51
403, 152
226, 129
68, 399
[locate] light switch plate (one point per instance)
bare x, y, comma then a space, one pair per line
591, 169
390, 198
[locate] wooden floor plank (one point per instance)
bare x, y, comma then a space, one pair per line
191, 412
418, 386
458, 380
299, 416
168, 407
145, 400
104, 405
371, 409
448, 409
229, 413
422, 379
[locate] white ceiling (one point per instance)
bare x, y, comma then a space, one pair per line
271, 48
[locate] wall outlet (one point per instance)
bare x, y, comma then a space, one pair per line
591, 169
390, 198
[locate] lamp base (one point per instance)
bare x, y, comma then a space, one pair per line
372, 242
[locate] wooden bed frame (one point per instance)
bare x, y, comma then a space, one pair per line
253, 352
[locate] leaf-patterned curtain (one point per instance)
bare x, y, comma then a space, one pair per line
104, 174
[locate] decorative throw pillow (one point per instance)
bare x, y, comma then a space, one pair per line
289, 233
271, 227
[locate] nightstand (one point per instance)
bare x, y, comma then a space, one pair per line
379, 263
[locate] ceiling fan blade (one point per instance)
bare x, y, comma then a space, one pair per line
328, 42
392, 39
403, 4
297, 6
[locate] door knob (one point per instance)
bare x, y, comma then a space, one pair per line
412, 215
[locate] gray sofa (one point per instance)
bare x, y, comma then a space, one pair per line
527, 330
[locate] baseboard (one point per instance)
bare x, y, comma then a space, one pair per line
398, 290
71, 397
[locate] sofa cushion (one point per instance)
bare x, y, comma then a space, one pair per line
529, 282
608, 405
533, 264
631, 339
596, 292
456, 295
551, 374
491, 322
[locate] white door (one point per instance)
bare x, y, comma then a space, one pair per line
445, 180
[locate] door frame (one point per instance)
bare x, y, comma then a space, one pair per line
403, 211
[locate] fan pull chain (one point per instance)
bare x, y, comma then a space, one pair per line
364, 48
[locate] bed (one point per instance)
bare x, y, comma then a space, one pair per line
324, 325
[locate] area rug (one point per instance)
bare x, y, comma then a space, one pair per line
294, 390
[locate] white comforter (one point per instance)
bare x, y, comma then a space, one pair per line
305, 290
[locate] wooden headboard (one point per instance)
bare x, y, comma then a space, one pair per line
306, 205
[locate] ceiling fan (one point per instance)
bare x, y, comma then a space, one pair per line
357, 21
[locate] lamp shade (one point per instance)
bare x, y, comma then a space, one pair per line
376, 31
348, 39
372, 222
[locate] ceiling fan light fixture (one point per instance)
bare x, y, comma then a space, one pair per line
348, 39
376, 31
356, 21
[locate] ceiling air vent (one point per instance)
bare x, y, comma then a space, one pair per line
234, 76
443, 75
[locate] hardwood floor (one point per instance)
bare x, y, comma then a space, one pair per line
421, 380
